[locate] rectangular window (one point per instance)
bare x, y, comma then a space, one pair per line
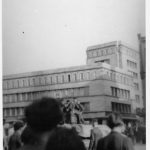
86, 106
60, 79
86, 91
7, 112
53, 79
137, 98
107, 61
113, 107
20, 83
94, 53
5, 98
26, 82
134, 74
48, 80
121, 108
13, 98
131, 64
24, 97
20, 97
13, 111
42, 80
4, 112
17, 111
5, 85
69, 78
88, 76
122, 93
71, 92
81, 91
136, 86
9, 98
89, 54
22, 111
82, 76
15, 84
9, 84
113, 91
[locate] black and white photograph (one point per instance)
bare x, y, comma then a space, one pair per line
74, 75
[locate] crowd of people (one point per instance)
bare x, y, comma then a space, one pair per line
43, 129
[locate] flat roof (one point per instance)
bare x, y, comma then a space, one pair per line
64, 70
109, 44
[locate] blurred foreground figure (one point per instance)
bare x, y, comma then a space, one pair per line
64, 139
15, 139
28, 137
115, 140
5, 135
130, 132
42, 117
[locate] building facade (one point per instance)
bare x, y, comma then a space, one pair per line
110, 82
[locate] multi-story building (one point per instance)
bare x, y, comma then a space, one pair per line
119, 55
109, 82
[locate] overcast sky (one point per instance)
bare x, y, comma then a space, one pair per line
47, 34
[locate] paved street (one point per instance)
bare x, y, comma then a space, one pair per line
140, 147
137, 146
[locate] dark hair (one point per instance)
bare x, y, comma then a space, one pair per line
18, 125
114, 120
28, 136
44, 114
64, 139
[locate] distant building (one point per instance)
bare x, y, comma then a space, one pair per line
110, 82
142, 50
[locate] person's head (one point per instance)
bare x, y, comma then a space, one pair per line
129, 125
78, 102
122, 127
64, 139
94, 122
44, 114
18, 125
114, 120
104, 122
75, 100
68, 101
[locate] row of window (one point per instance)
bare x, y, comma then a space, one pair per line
121, 93
131, 64
50, 79
19, 111
136, 86
130, 52
107, 61
66, 78
121, 108
134, 74
71, 92
101, 52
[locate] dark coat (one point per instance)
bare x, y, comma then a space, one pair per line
33, 147
14, 141
115, 141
